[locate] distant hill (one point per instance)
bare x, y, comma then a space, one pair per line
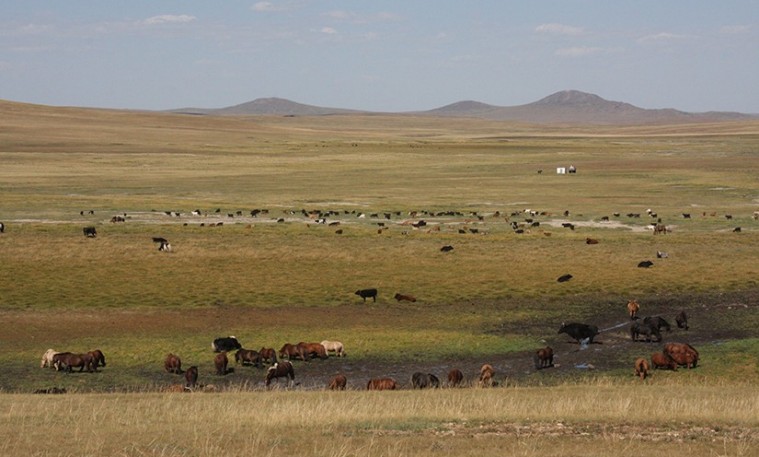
565, 107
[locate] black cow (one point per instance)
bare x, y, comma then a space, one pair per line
446, 248
648, 330
90, 232
658, 322
579, 332
367, 293
564, 278
225, 344
421, 380
645, 264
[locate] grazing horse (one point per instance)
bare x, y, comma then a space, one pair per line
543, 358
291, 351
658, 322
279, 370
334, 346
191, 377
421, 380
641, 368
455, 377
172, 364
312, 350
682, 320
338, 382
646, 329
660, 228
47, 358
249, 356
682, 353
632, 308
98, 359
382, 384
659, 360
487, 372
404, 297
268, 355
68, 361
220, 361
90, 232
591, 241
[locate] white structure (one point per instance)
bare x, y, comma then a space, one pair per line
561, 171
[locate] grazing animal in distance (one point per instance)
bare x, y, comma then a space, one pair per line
543, 358
279, 370
69, 361
564, 278
421, 380
660, 228
47, 358
455, 377
641, 368
2, 227
98, 358
268, 355
247, 356
579, 332
220, 361
487, 373
682, 353
382, 384
312, 350
172, 364
367, 293
334, 346
225, 344
291, 351
591, 241
402, 297
661, 255
446, 248
632, 309
643, 328
163, 243
682, 320
338, 382
645, 264
737, 230
90, 232
191, 377
658, 322
659, 360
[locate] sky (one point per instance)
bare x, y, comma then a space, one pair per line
390, 55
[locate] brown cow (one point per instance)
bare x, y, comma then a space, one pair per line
312, 350
220, 362
659, 360
455, 377
382, 384
682, 353
191, 377
338, 382
487, 372
404, 297
543, 358
172, 364
633, 307
641, 368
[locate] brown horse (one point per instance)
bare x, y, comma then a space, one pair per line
487, 372
682, 353
455, 377
682, 320
191, 377
338, 382
382, 384
659, 360
312, 350
632, 308
543, 358
172, 364
97, 357
69, 361
660, 228
291, 351
243, 356
641, 368
220, 362
267, 355
279, 370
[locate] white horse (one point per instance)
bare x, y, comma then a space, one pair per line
334, 346
47, 358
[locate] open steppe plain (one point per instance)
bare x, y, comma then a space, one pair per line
493, 299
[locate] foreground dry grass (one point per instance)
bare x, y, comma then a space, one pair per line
594, 420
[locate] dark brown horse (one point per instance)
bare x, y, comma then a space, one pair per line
220, 362
641, 368
312, 350
172, 364
290, 352
338, 382
659, 360
98, 359
247, 356
191, 377
682, 320
268, 355
382, 384
279, 370
69, 361
543, 358
455, 377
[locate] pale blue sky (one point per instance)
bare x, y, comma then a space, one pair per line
392, 55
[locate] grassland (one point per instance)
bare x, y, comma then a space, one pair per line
493, 299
